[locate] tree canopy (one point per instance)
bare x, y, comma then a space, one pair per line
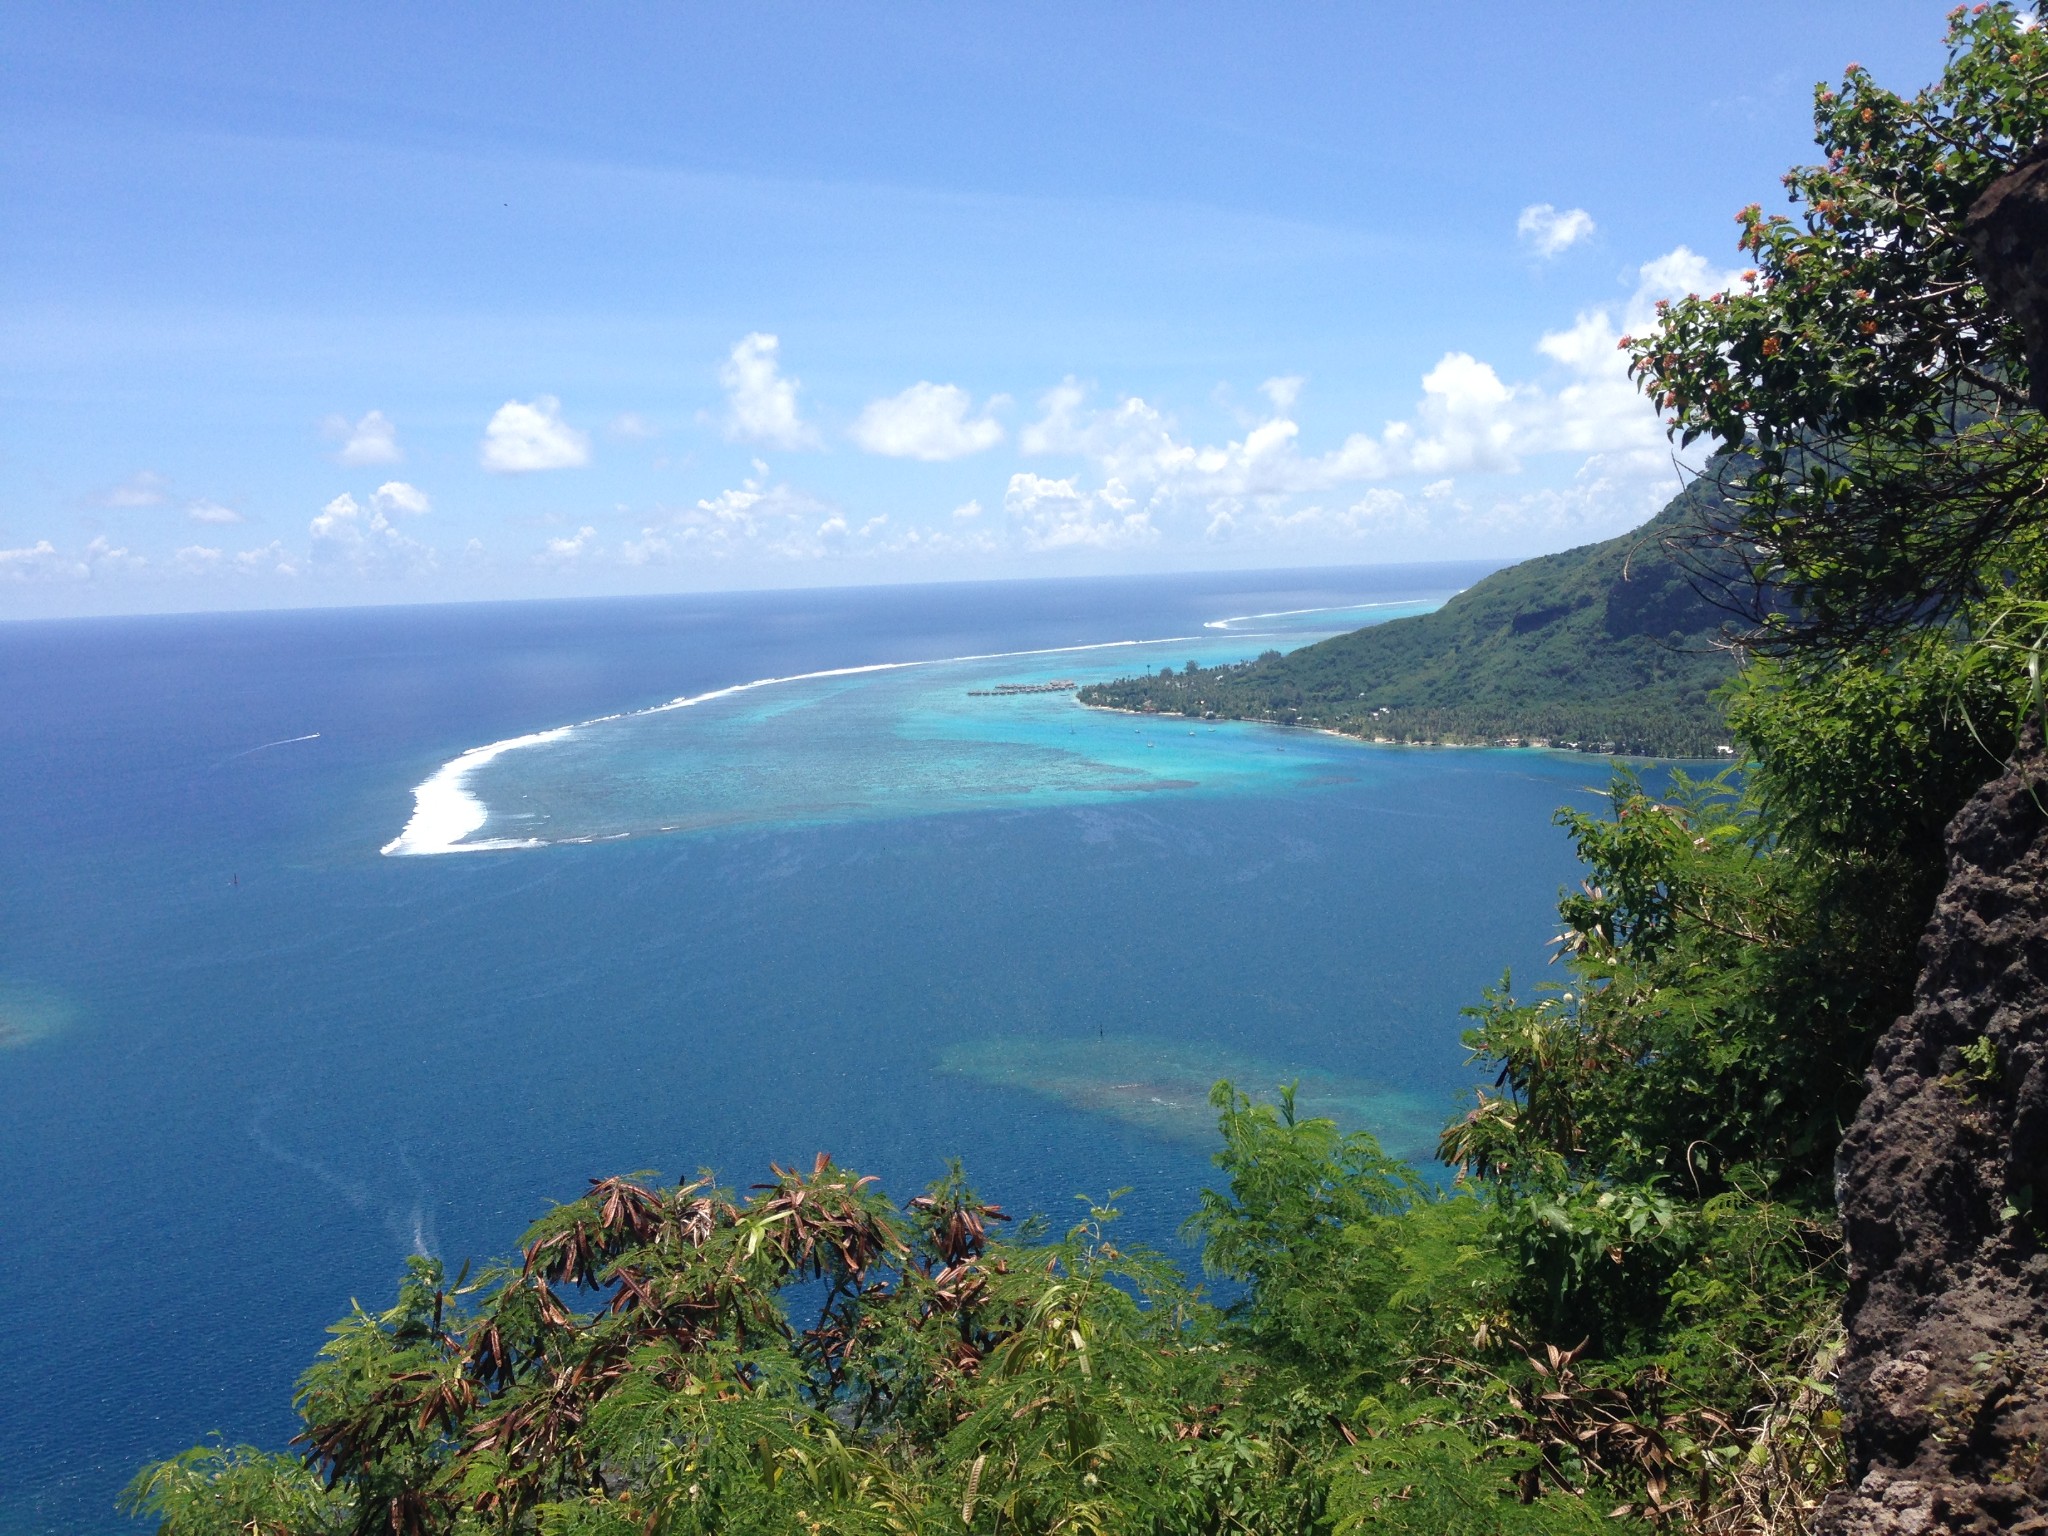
1871, 397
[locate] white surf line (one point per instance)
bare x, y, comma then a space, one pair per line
444, 811
1288, 613
309, 736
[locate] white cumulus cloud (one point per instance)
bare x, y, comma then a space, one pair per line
1548, 230
760, 398
1135, 443
1283, 391
41, 561
927, 421
37, 561
396, 496
1468, 419
350, 536
568, 551
371, 439
1465, 420
530, 435
1058, 514
754, 520
102, 556
270, 558
197, 559
1677, 272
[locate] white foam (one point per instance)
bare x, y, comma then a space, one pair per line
1289, 613
444, 812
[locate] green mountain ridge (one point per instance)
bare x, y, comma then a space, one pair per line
1607, 647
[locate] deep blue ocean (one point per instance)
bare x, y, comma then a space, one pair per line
249, 1061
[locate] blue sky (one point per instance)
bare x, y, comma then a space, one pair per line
397, 303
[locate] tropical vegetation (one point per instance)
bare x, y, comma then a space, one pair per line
1613, 647
1616, 1307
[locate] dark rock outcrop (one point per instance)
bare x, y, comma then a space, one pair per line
2008, 234
1943, 1186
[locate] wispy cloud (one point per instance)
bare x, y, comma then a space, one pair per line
42, 561
762, 520
197, 560
1548, 230
31, 562
565, 552
755, 518
1056, 514
267, 560
371, 439
144, 488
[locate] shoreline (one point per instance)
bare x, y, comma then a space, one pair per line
446, 812
1382, 741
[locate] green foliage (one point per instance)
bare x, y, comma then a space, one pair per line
1304, 1225
1875, 392
1740, 941
1427, 1477
236, 1491
642, 1368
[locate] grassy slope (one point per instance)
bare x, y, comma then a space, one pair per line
1606, 647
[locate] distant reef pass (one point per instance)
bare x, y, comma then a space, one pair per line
1605, 648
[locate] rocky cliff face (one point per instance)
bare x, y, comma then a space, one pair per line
1943, 1178
1943, 1184
2008, 235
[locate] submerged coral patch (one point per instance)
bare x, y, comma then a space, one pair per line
30, 1013
1162, 1086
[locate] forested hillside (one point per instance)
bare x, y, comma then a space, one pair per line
1608, 647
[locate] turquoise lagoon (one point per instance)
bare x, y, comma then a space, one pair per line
875, 740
